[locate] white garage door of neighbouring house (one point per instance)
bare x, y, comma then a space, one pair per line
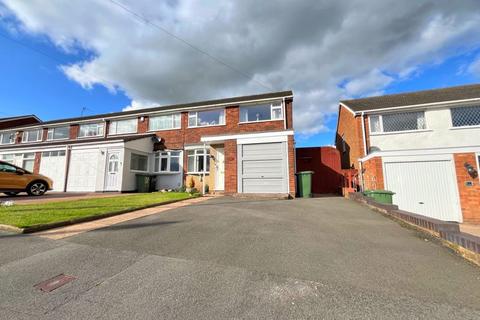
263, 168
82, 173
52, 165
424, 187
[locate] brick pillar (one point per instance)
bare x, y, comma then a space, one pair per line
142, 125
291, 165
230, 148
36, 164
373, 174
469, 195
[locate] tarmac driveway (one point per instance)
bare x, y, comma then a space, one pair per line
325, 258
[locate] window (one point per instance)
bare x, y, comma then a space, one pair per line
7, 168
394, 122
196, 161
32, 135
91, 130
7, 158
7, 137
171, 121
138, 162
261, 112
206, 118
465, 116
167, 161
59, 153
28, 161
58, 133
123, 126
344, 145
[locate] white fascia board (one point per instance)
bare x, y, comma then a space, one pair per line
421, 106
262, 140
247, 136
421, 152
89, 145
144, 112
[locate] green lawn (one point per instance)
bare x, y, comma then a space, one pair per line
27, 215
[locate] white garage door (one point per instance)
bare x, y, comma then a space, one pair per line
263, 168
52, 165
424, 187
82, 174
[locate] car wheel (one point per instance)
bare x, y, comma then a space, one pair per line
11, 194
37, 188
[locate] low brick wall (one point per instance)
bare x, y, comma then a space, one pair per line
465, 244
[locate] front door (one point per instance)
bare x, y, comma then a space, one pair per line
220, 170
112, 172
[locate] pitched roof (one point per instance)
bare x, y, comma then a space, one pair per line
226, 101
32, 116
414, 98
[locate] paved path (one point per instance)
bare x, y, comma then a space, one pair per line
228, 258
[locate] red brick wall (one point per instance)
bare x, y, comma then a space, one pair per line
289, 113
230, 166
373, 174
469, 196
44, 134
74, 129
350, 127
36, 164
142, 126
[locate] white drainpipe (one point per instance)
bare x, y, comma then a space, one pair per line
363, 134
204, 167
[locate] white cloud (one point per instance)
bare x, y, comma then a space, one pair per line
136, 105
474, 67
311, 46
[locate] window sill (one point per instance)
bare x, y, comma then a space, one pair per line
62, 139
399, 132
122, 133
198, 173
26, 142
168, 172
250, 122
213, 125
91, 137
156, 130
464, 127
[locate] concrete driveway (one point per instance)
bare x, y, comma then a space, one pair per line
324, 258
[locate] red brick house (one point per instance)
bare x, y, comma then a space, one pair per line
424, 146
234, 145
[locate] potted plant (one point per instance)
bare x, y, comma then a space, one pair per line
190, 184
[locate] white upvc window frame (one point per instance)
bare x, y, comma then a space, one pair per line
139, 154
167, 154
116, 121
3, 157
51, 133
172, 115
28, 156
194, 114
462, 127
276, 105
195, 157
26, 135
100, 128
382, 131
477, 157
12, 134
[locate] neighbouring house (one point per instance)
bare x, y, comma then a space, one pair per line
424, 146
325, 163
12, 122
235, 145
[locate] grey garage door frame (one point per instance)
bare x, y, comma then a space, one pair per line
262, 167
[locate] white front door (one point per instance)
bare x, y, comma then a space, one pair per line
220, 170
112, 172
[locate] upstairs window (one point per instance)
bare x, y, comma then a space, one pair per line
58, 133
261, 112
206, 118
32, 136
465, 116
123, 126
197, 163
165, 122
91, 130
139, 162
7, 137
167, 161
395, 122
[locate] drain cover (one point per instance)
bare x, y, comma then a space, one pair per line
54, 283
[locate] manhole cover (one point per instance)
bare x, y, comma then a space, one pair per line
54, 283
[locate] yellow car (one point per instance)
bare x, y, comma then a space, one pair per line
14, 180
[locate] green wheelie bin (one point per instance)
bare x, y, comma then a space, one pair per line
304, 184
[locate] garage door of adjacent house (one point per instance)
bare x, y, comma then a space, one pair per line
262, 168
52, 165
424, 187
82, 174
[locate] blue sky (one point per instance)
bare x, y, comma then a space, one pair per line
133, 64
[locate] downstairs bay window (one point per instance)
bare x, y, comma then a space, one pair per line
198, 161
167, 162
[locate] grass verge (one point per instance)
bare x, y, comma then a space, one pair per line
29, 215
